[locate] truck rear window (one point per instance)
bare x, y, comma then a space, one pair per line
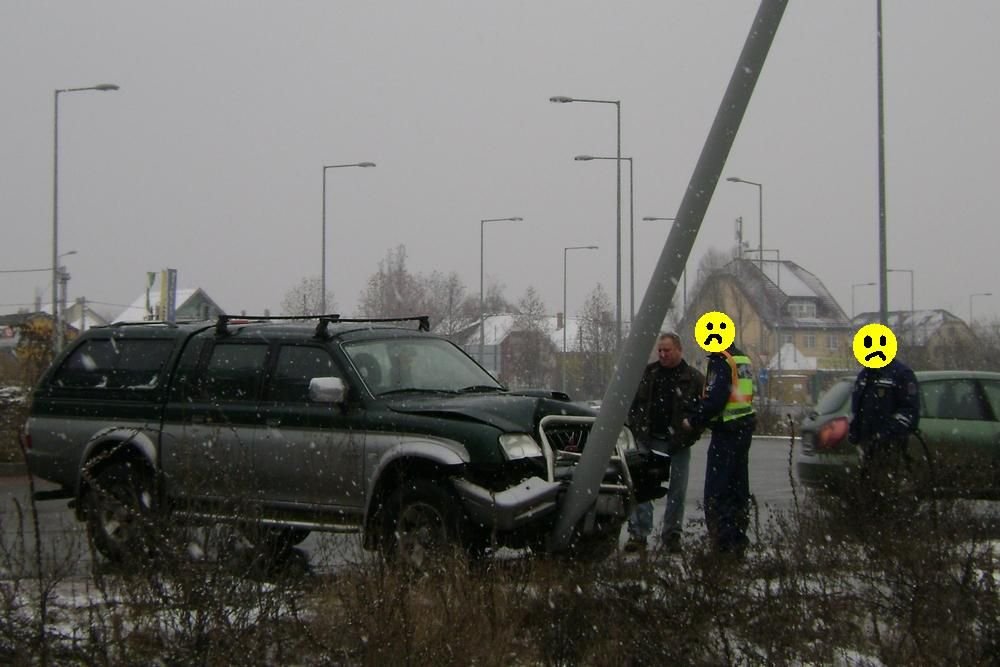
104, 363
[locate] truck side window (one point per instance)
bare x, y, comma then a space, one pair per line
296, 366
233, 372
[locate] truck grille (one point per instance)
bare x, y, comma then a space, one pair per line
563, 440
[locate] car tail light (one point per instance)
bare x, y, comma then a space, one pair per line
832, 433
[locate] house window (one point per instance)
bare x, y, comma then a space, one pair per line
787, 338
832, 342
810, 340
802, 309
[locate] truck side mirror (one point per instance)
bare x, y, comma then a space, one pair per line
327, 390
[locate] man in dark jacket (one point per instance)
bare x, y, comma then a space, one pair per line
885, 404
726, 407
668, 387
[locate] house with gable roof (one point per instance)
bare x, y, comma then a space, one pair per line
778, 306
192, 304
929, 339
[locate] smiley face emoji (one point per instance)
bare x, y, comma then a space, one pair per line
874, 345
714, 331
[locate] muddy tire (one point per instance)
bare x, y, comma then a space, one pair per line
120, 511
420, 525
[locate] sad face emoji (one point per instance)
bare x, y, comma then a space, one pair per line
714, 331
874, 345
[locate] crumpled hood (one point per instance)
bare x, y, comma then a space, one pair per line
508, 412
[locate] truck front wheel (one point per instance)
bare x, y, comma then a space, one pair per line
420, 524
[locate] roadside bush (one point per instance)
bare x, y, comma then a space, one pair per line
827, 582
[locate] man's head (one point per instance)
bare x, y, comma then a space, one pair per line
668, 350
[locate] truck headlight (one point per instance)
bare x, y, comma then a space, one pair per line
519, 446
626, 440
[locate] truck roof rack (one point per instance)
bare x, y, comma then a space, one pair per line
222, 324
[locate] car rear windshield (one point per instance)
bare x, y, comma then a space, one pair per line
834, 398
114, 364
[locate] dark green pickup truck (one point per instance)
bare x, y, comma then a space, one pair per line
328, 424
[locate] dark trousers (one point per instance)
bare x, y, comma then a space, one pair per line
727, 485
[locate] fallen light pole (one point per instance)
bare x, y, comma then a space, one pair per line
583, 489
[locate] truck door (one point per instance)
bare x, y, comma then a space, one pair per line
306, 456
210, 422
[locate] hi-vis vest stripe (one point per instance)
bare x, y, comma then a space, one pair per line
740, 403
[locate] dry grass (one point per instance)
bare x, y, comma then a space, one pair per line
833, 584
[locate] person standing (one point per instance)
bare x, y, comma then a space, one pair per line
667, 387
885, 405
726, 407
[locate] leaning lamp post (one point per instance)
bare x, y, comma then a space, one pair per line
562, 99
482, 296
57, 324
565, 313
322, 273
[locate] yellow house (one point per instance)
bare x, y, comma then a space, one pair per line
778, 306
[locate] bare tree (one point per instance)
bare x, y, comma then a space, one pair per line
532, 360
597, 343
444, 302
305, 299
392, 291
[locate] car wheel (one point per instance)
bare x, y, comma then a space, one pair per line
420, 524
120, 509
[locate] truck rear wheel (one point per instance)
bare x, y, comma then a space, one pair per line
120, 508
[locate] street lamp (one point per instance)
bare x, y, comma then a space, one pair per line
912, 312
852, 294
482, 295
970, 303
565, 313
561, 99
760, 215
631, 225
322, 279
56, 316
684, 302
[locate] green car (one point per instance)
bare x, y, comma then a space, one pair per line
959, 427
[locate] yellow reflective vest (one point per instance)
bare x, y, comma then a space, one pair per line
740, 403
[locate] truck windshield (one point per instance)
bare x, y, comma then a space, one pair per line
407, 365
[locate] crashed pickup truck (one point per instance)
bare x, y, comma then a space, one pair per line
286, 426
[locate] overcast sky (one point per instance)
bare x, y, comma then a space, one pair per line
209, 159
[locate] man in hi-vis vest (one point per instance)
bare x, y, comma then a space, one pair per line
726, 407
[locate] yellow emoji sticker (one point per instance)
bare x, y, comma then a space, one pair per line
874, 345
714, 331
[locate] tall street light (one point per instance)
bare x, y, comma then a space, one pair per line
565, 313
561, 99
852, 294
322, 279
56, 315
684, 302
482, 294
631, 224
760, 215
971, 296
912, 312
883, 253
